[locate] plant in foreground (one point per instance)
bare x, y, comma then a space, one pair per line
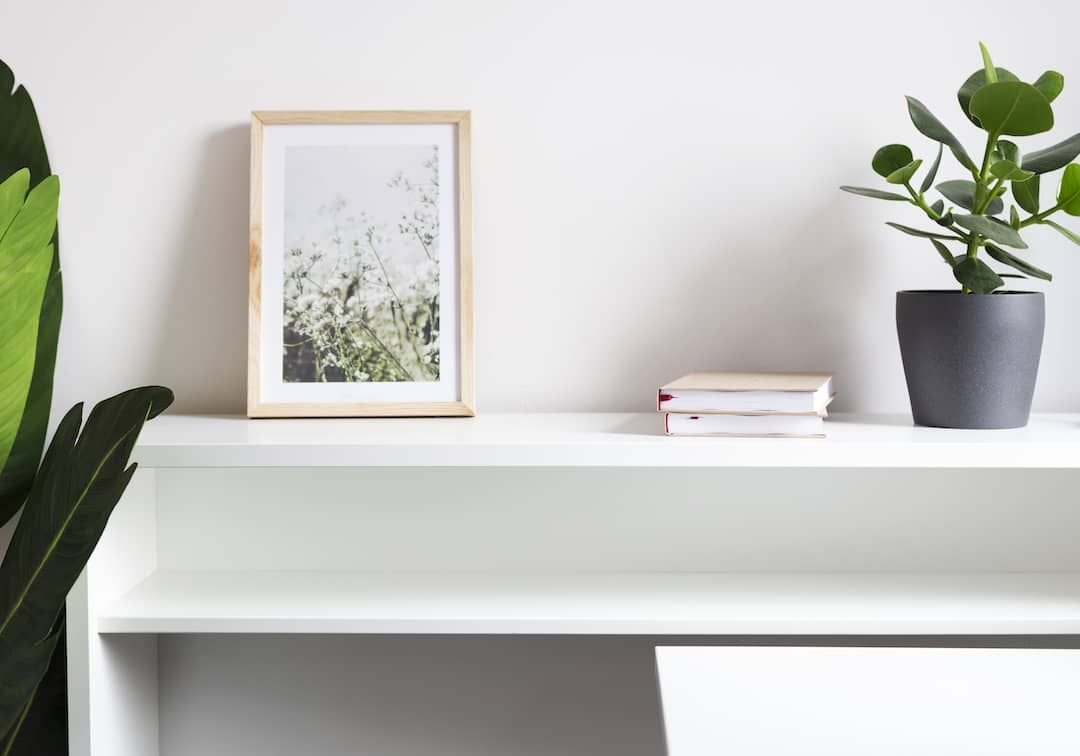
971, 214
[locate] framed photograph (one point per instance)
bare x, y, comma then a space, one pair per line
360, 301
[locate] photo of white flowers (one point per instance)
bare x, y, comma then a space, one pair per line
361, 264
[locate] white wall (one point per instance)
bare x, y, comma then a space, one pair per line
655, 182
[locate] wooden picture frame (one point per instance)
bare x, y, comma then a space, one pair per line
355, 335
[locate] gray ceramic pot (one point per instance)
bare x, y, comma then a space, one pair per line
970, 359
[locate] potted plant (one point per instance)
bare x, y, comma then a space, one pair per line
971, 355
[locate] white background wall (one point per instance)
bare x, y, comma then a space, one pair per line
655, 183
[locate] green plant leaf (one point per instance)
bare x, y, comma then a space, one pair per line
1012, 107
875, 193
946, 220
988, 65
992, 229
1007, 258
962, 193
903, 175
929, 126
81, 478
1050, 84
1069, 192
22, 665
974, 83
977, 275
942, 250
938, 207
1010, 171
916, 232
891, 158
1053, 157
1006, 150
1070, 235
25, 258
22, 146
928, 180
1026, 194
1014, 217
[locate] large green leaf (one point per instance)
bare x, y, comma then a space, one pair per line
962, 193
992, 229
891, 158
1050, 84
929, 126
81, 478
1007, 258
22, 146
1069, 192
1012, 107
928, 179
977, 275
862, 191
1053, 157
1026, 193
25, 258
974, 83
22, 665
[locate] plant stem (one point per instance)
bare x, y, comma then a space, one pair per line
1040, 217
919, 201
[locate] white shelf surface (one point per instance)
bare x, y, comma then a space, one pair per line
599, 603
592, 440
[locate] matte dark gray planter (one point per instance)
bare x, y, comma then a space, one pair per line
970, 359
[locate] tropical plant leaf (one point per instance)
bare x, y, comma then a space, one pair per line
81, 478
1069, 192
976, 275
22, 665
1070, 235
25, 257
875, 193
1007, 258
992, 229
1010, 171
942, 250
891, 158
962, 193
928, 180
903, 175
22, 146
1012, 107
1053, 157
1026, 194
921, 234
1050, 84
929, 126
974, 83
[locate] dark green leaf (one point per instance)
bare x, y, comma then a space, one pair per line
974, 83
976, 275
80, 480
891, 158
1007, 258
1026, 194
1010, 171
944, 252
1069, 192
916, 232
1007, 150
938, 207
928, 180
22, 665
1051, 158
929, 126
1070, 235
946, 220
903, 175
1012, 275
1014, 217
875, 193
1050, 84
22, 146
992, 229
962, 193
1012, 107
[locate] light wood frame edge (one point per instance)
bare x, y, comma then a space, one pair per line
466, 406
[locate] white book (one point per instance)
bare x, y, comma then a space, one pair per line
802, 426
747, 392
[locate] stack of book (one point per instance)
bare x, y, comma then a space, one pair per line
746, 404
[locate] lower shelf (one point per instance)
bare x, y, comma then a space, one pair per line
600, 603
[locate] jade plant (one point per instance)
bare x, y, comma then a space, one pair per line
988, 211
